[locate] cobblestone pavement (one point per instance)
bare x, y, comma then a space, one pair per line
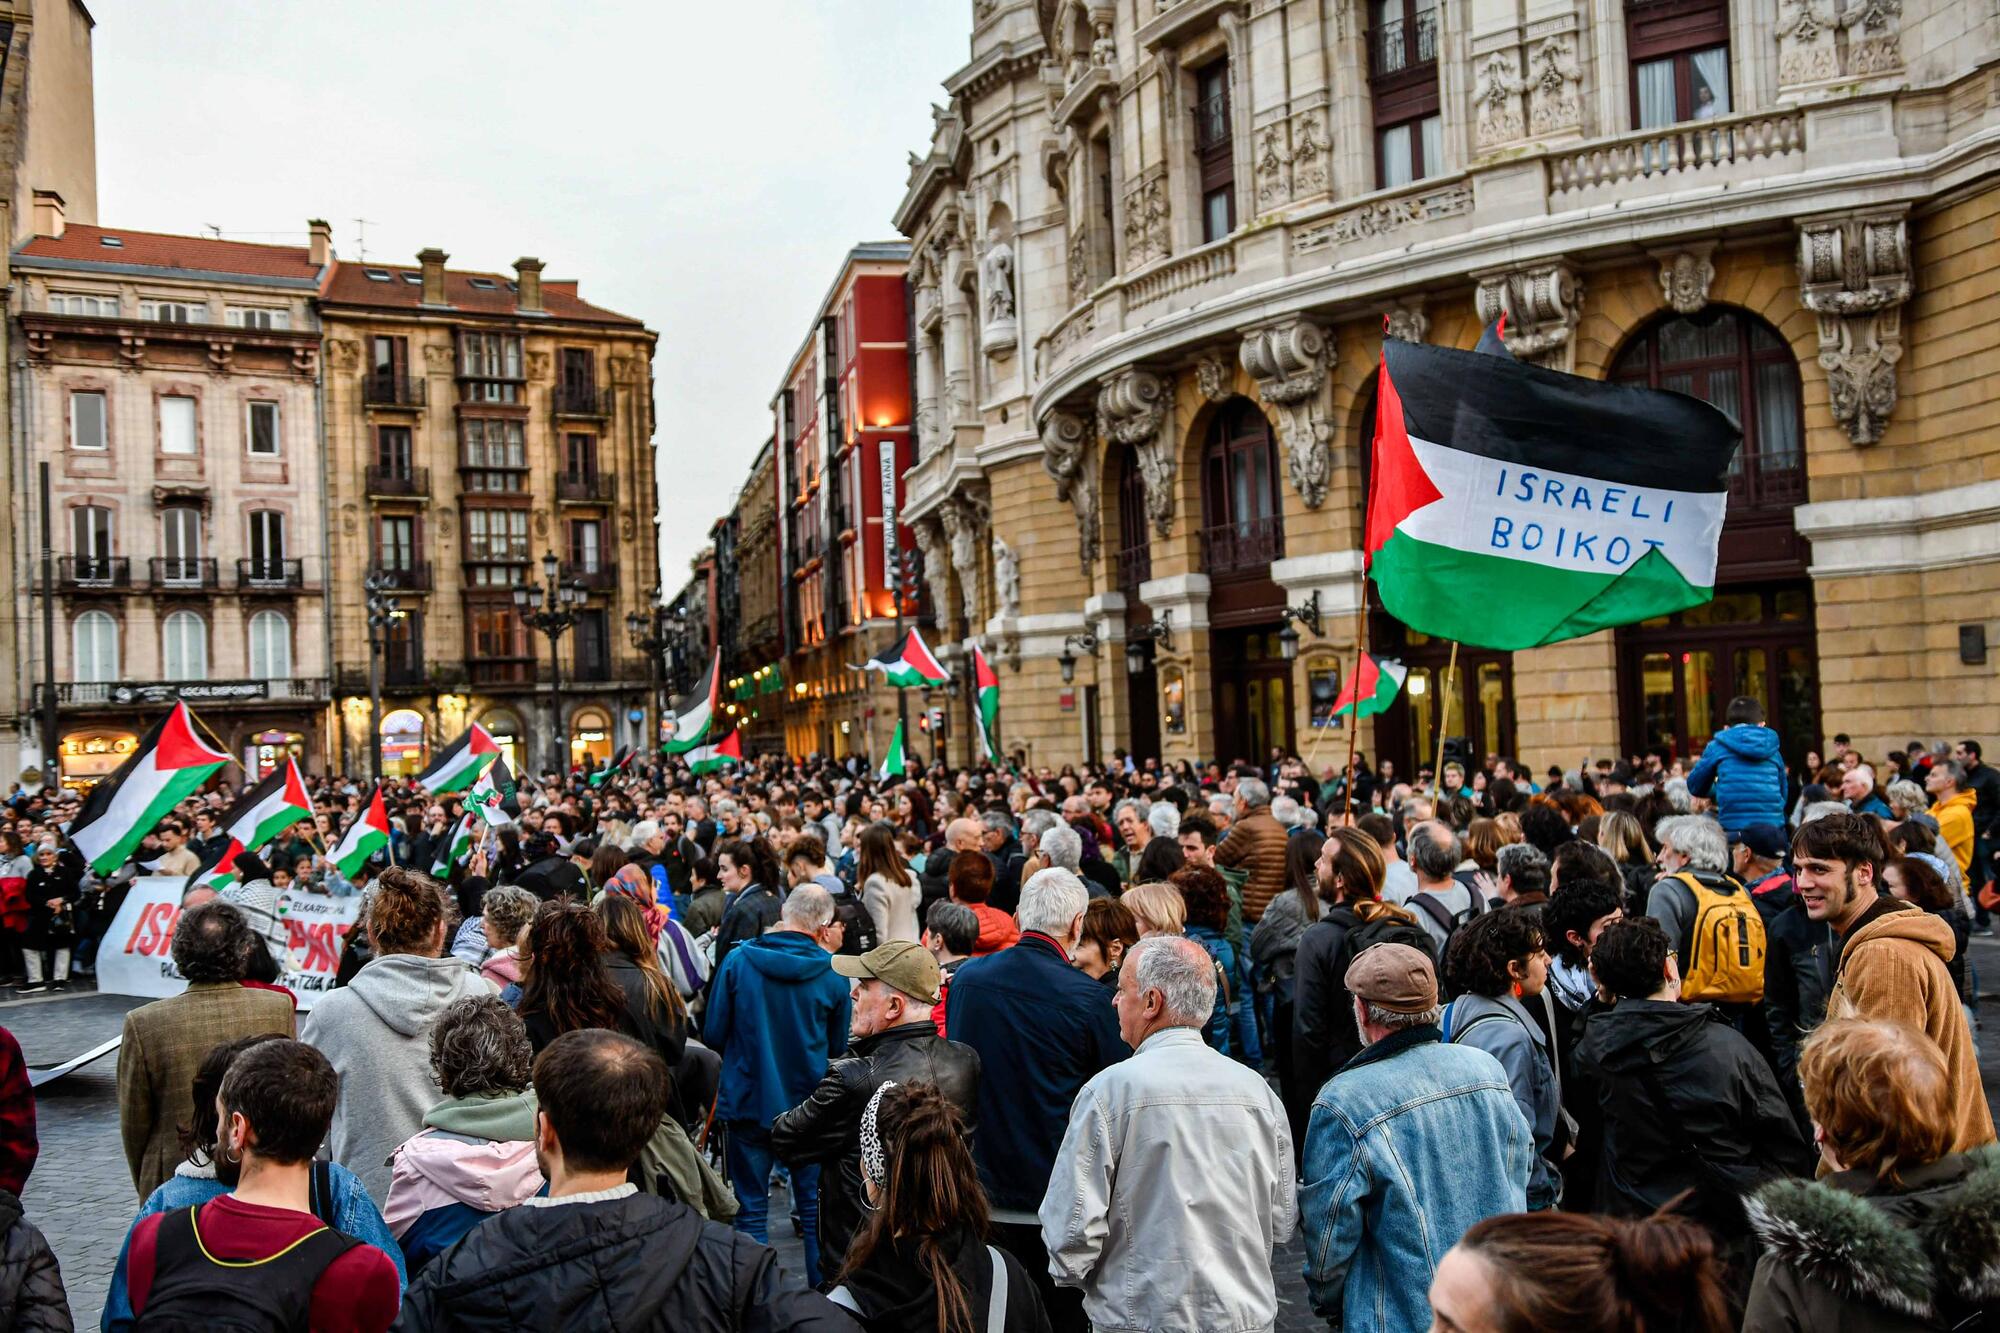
81, 1192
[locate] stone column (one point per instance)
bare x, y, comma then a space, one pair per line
1181, 601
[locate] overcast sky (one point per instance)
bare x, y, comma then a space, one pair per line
701, 166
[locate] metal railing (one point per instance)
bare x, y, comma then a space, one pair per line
94, 573
1402, 44
502, 670
411, 576
1135, 566
402, 482
1211, 121
582, 400
145, 694
380, 390
180, 571
1252, 544
587, 487
269, 573
600, 577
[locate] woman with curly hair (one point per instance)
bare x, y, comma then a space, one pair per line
1233, 1027
1495, 962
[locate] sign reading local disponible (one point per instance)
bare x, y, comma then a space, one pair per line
136, 957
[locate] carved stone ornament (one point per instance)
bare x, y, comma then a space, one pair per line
1134, 408
930, 545
343, 353
1001, 330
1542, 305
1384, 217
1215, 377
437, 356
1406, 321
1006, 578
1685, 276
965, 517
1499, 102
1312, 155
1068, 456
1290, 360
1874, 36
1146, 216
1555, 87
1273, 165
1806, 49
1079, 263
1855, 275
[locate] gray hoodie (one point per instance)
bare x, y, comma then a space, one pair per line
377, 1032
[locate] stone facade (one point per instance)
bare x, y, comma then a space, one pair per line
476, 423
1825, 221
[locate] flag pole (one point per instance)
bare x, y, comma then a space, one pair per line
1444, 720
1354, 711
210, 734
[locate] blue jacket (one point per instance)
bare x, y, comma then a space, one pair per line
1042, 1029
1409, 1144
354, 1214
1743, 768
1216, 1033
1503, 1028
777, 1014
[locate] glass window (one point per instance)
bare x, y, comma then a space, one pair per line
1698, 689
83, 303
497, 445
94, 644
1398, 162
257, 317
392, 451
87, 421
586, 546
396, 543
1215, 211
261, 427
270, 646
267, 540
174, 312
1679, 56
180, 538
184, 647
177, 429
90, 531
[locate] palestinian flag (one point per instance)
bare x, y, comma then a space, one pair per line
1511, 506
893, 762
259, 815
459, 765
170, 763
696, 713
489, 798
460, 847
617, 765
988, 699
364, 837
709, 758
1375, 685
907, 663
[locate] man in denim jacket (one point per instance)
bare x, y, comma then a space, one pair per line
1409, 1144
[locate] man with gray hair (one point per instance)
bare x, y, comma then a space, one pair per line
1694, 869
777, 1013
1042, 1029
1128, 817
1256, 843
1521, 870
1179, 1151
1164, 820
1410, 1143
1440, 902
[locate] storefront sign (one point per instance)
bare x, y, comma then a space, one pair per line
136, 957
88, 755
194, 691
886, 449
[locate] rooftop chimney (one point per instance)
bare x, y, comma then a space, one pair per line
321, 252
433, 265
48, 213
528, 275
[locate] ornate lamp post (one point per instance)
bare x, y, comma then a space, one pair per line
656, 632
382, 608
553, 610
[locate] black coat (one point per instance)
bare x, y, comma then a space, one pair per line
826, 1127
754, 911
553, 876
1323, 1033
645, 1010
1799, 954
32, 1299
634, 1263
1688, 1104
896, 1293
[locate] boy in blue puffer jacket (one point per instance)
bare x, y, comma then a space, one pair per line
1744, 770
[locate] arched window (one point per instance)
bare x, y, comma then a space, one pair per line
270, 646
184, 647
1735, 360
1135, 542
1243, 527
94, 646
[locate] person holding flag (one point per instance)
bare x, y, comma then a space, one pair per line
461, 763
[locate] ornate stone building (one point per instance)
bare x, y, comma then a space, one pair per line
1156, 245
478, 426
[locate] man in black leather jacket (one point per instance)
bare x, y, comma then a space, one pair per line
594, 1248
894, 1041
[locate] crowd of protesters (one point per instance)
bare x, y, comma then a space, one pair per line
1641, 1045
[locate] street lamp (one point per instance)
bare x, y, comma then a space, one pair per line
655, 632
382, 608
1307, 615
1087, 642
1137, 638
552, 609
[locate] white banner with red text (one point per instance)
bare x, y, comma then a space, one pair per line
136, 957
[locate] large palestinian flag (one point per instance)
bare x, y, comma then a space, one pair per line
170, 763
1375, 683
988, 701
259, 815
455, 851
364, 837
1511, 506
894, 762
709, 758
459, 764
907, 663
695, 714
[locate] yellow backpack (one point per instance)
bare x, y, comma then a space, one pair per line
1725, 955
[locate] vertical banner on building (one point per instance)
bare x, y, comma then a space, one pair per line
887, 450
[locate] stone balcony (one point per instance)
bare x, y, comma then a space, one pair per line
1616, 193
937, 475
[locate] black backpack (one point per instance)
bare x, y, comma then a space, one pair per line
192, 1293
860, 923
1448, 921
1384, 930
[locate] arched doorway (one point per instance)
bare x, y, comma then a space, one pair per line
1678, 673
1482, 694
403, 747
1135, 566
505, 729
1242, 532
589, 738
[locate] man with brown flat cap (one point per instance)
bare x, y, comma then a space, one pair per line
893, 1041
1410, 1143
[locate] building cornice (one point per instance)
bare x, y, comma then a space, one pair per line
1903, 534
